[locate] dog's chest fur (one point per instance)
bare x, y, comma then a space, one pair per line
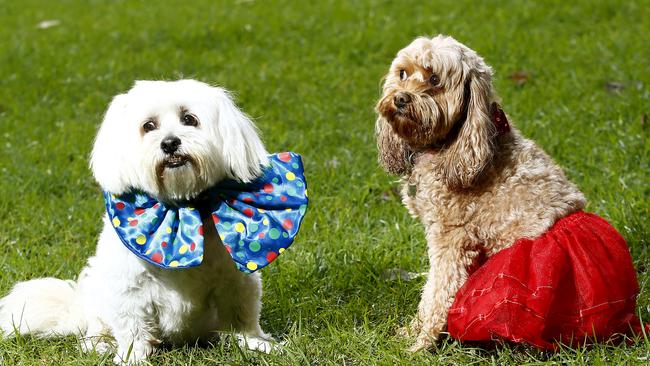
521, 194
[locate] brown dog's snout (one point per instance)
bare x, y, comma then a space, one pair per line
401, 99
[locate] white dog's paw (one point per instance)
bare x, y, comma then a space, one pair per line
266, 345
96, 344
133, 355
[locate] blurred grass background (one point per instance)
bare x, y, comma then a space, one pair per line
572, 76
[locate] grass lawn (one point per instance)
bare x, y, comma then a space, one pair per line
573, 77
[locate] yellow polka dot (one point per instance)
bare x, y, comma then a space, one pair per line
168, 230
190, 208
183, 249
222, 237
116, 222
288, 210
265, 221
251, 265
200, 258
141, 240
149, 251
290, 176
261, 210
306, 195
173, 264
130, 218
281, 250
239, 227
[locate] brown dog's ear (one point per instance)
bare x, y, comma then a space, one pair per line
473, 148
393, 151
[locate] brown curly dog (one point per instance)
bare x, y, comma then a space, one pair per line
475, 183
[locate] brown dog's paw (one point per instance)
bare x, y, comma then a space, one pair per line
422, 343
411, 330
404, 332
425, 340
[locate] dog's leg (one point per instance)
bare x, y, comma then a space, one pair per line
239, 310
447, 274
98, 337
256, 343
133, 331
134, 343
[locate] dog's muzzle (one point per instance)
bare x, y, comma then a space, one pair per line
401, 100
175, 161
170, 144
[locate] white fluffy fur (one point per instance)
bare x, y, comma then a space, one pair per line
119, 297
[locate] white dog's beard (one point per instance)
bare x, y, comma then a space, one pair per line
179, 183
178, 177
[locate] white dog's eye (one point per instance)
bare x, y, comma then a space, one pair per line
402, 75
149, 126
190, 120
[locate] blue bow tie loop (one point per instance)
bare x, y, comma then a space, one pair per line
256, 221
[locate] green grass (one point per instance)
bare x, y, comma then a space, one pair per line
309, 72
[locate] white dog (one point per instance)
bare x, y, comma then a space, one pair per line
172, 140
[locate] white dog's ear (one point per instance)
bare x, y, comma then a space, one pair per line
473, 148
243, 151
107, 157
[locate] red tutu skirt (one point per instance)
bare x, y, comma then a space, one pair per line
573, 284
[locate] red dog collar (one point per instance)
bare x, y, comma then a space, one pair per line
499, 119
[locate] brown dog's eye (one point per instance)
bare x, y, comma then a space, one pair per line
149, 126
434, 79
402, 75
190, 120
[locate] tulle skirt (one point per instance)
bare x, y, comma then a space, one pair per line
573, 284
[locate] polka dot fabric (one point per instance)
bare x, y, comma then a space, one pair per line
256, 221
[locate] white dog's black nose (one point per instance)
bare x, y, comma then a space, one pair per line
401, 99
170, 144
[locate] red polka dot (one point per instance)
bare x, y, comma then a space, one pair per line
215, 218
200, 230
163, 244
284, 156
119, 206
287, 224
248, 212
262, 235
133, 222
157, 257
283, 198
268, 188
270, 256
228, 248
156, 205
247, 199
192, 246
139, 211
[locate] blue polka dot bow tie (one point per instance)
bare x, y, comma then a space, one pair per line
256, 221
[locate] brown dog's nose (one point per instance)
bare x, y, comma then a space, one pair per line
401, 99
